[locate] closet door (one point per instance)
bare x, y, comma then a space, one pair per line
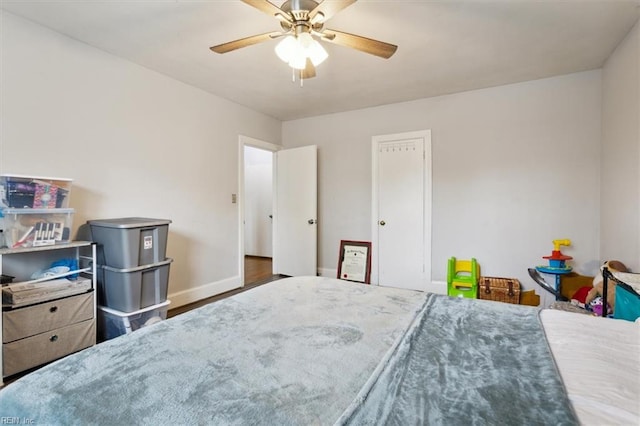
402, 204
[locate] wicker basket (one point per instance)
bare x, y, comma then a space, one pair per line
499, 289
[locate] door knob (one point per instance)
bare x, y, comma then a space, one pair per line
382, 223
311, 221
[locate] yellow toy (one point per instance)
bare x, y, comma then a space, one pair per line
462, 278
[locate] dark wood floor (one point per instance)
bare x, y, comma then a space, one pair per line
257, 271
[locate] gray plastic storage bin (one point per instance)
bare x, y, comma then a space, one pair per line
131, 241
131, 289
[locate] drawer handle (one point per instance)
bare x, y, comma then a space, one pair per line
53, 338
53, 309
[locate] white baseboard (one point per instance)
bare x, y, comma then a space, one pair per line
326, 272
185, 297
438, 287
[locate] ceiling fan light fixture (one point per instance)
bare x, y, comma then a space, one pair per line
299, 58
294, 50
287, 48
302, 26
305, 40
317, 53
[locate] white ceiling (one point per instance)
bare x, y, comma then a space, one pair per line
445, 46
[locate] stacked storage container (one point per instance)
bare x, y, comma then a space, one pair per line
34, 211
133, 273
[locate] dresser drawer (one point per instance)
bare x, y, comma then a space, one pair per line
32, 320
36, 350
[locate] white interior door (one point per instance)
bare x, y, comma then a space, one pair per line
402, 188
295, 213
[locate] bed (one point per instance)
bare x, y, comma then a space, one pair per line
312, 350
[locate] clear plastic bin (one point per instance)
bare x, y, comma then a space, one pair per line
37, 227
36, 192
113, 323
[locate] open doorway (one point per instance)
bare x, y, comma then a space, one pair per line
258, 214
256, 185
293, 217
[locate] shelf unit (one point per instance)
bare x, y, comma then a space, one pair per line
50, 329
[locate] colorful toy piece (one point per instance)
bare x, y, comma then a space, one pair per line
462, 278
557, 266
557, 259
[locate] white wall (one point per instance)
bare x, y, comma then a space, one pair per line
620, 221
258, 197
135, 142
514, 167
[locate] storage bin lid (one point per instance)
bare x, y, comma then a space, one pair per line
9, 210
7, 175
129, 222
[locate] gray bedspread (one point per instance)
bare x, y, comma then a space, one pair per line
305, 351
466, 362
295, 351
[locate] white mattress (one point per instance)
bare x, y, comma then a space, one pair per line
599, 361
633, 280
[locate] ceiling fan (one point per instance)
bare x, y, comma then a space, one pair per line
300, 22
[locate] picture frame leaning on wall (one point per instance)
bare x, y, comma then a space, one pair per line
354, 261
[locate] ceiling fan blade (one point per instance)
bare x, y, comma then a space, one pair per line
364, 44
327, 9
309, 70
244, 42
269, 8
